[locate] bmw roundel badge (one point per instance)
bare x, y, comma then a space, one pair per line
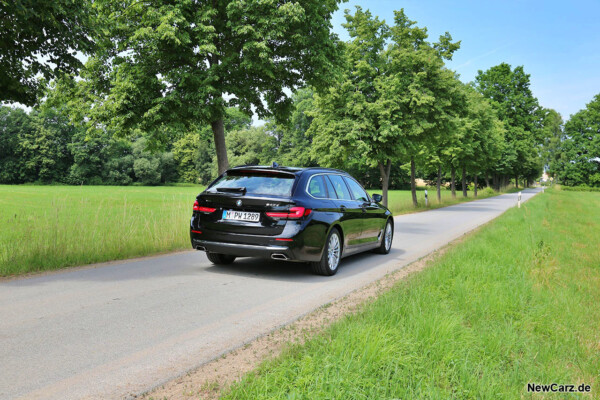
238, 203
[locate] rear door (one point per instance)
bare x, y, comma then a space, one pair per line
373, 216
241, 198
351, 212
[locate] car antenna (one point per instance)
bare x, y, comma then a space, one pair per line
275, 165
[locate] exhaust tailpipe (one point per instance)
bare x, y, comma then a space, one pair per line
201, 248
279, 256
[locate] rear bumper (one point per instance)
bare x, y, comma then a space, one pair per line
301, 240
295, 245
243, 250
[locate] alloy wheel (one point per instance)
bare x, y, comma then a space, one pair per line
388, 236
333, 255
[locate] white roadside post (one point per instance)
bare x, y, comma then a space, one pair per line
426, 198
519, 201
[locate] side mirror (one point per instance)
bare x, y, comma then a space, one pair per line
377, 198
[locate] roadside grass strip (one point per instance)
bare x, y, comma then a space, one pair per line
400, 201
517, 302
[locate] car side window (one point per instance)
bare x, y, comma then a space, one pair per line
330, 188
316, 187
357, 191
340, 187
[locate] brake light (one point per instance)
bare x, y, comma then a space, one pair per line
197, 207
293, 213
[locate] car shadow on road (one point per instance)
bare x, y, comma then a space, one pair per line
412, 228
194, 264
301, 272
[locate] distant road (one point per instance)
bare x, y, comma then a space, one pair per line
118, 330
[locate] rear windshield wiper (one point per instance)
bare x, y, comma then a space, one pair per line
232, 189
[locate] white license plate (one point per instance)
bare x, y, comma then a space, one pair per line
241, 215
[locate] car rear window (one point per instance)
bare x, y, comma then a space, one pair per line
256, 183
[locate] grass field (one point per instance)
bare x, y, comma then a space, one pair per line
516, 303
51, 227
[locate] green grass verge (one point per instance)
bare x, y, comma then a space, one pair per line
578, 188
515, 303
400, 201
52, 227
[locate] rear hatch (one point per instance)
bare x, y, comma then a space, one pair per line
241, 200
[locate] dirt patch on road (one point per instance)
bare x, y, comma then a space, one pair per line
211, 379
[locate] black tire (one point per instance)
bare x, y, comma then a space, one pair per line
220, 259
323, 267
386, 246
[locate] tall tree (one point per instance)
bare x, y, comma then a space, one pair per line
351, 122
424, 96
578, 158
482, 138
553, 135
15, 123
394, 92
182, 63
292, 139
510, 94
41, 37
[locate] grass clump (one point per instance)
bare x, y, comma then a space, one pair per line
515, 303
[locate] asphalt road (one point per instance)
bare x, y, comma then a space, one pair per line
120, 329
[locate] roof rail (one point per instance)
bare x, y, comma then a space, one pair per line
245, 165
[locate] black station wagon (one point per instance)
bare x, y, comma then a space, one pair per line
315, 215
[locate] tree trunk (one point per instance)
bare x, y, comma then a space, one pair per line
517, 181
218, 128
452, 181
385, 180
475, 185
487, 180
495, 182
439, 184
413, 184
464, 181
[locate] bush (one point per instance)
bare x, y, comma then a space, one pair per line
488, 191
580, 188
147, 171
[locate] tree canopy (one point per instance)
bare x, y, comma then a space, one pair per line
393, 92
183, 63
168, 91
41, 38
510, 93
577, 159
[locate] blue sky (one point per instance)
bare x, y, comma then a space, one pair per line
558, 43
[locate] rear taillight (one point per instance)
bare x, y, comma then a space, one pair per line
197, 207
293, 213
